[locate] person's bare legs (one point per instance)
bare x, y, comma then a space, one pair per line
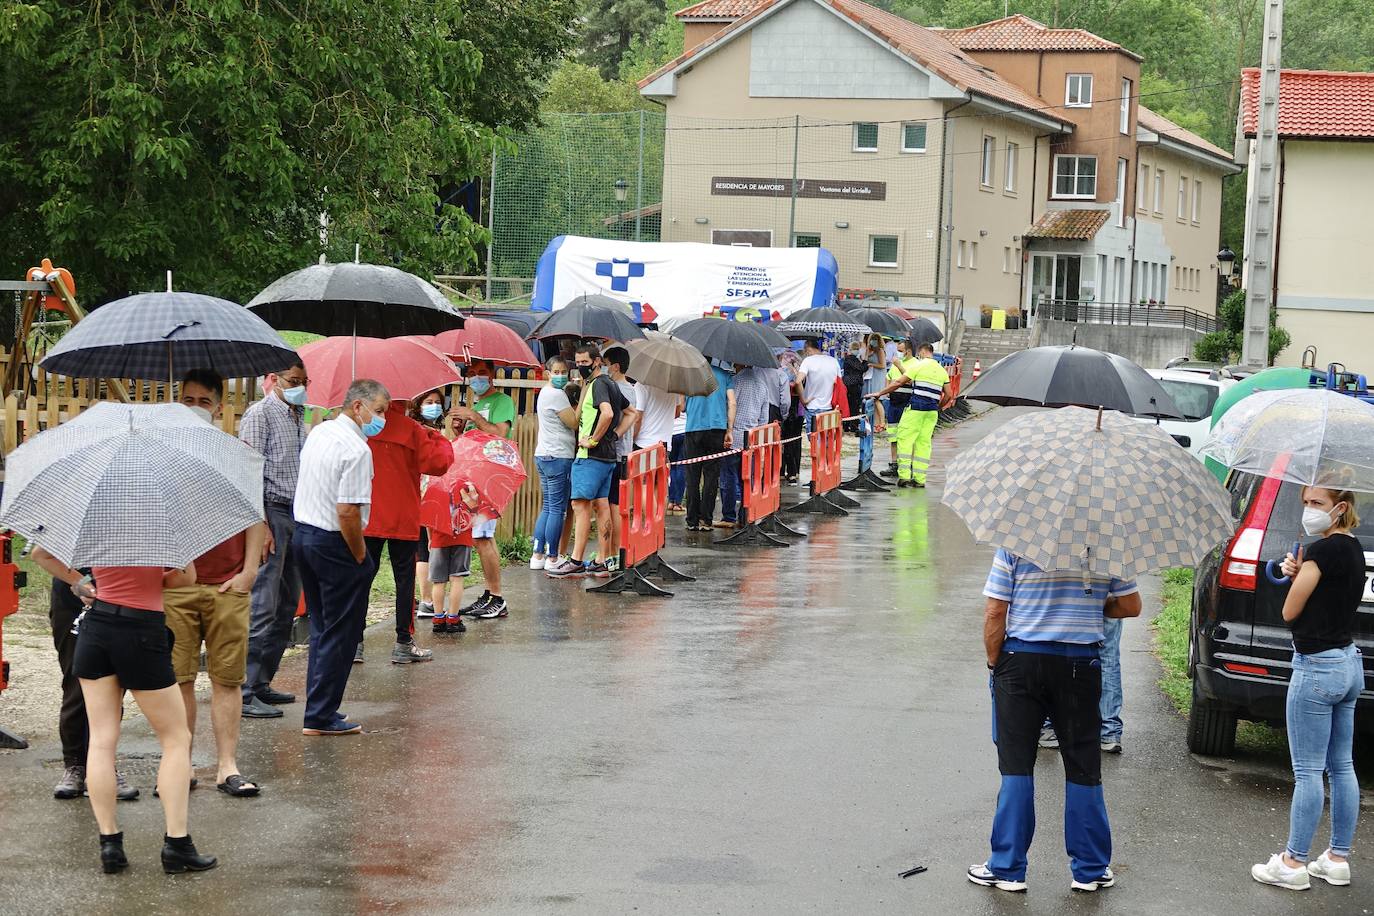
455, 593
613, 531
104, 705
491, 563
607, 540
226, 705
567, 537
436, 598
582, 528
166, 713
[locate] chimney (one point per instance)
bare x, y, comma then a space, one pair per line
701, 21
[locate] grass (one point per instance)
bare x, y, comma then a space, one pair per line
298, 339
1171, 645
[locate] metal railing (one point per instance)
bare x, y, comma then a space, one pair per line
1124, 313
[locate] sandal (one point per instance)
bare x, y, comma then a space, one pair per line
239, 787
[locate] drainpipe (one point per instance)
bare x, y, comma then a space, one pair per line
1025, 242
944, 245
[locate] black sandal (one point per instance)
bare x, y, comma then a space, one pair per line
239, 787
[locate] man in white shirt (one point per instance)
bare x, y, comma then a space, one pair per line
333, 498
657, 411
816, 377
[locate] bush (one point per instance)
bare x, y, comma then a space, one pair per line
1225, 344
1216, 347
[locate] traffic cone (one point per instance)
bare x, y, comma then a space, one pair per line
977, 369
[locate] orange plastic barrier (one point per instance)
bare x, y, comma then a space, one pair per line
643, 516
825, 452
761, 472
11, 581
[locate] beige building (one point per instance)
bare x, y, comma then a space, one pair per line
1323, 271
996, 163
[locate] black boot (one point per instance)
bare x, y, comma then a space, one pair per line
112, 857
179, 855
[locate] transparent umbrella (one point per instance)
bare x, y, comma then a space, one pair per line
1310, 436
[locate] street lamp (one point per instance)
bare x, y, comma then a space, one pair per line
622, 188
1226, 263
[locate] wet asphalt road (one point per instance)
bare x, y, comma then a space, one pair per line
784, 736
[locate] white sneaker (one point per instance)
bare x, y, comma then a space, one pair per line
1337, 873
537, 561
1275, 872
1087, 887
552, 562
1111, 745
425, 610
979, 874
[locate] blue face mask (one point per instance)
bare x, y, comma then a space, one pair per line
558, 381
431, 411
374, 426
294, 396
480, 385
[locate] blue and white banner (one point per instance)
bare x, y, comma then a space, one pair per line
661, 280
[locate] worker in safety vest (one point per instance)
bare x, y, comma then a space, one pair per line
930, 393
895, 404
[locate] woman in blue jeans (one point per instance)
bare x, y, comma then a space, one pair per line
1328, 672
553, 456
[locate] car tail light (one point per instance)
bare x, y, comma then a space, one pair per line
1240, 565
1246, 669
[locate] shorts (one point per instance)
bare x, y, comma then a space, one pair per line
135, 646
423, 549
591, 478
449, 563
199, 614
486, 529
895, 408
617, 474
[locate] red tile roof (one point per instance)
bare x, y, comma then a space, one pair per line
923, 45
1021, 33
1157, 123
718, 9
1314, 103
1074, 225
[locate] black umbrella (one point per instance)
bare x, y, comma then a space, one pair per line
881, 320
923, 331
590, 316
771, 335
1073, 377
818, 321
728, 341
370, 300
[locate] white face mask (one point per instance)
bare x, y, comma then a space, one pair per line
204, 414
1315, 521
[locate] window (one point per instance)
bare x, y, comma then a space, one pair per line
913, 138
1078, 91
989, 155
973, 256
1159, 192
1016, 260
882, 251
806, 240
1075, 176
865, 137
1122, 170
1125, 106
962, 254
1183, 197
1006, 259
1197, 200
1142, 186
1013, 154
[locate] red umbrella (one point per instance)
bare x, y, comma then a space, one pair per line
481, 338
491, 464
407, 366
901, 312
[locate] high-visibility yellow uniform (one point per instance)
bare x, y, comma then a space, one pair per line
928, 379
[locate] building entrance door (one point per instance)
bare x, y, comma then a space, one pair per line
1056, 285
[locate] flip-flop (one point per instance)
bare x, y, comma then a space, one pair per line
239, 787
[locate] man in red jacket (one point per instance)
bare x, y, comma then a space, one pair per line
401, 452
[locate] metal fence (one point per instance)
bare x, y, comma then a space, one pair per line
1124, 313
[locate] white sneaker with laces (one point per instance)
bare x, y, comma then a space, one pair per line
1277, 873
552, 562
537, 561
979, 874
1337, 873
1087, 887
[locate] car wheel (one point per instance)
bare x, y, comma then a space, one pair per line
1211, 728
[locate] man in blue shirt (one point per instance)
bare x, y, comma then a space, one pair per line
709, 419
1042, 632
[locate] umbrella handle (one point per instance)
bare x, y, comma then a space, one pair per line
1274, 564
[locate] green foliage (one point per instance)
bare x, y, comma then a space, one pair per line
1224, 344
647, 53
520, 42
612, 26
1216, 347
579, 88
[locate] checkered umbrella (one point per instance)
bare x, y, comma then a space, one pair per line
1115, 499
818, 321
158, 335
132, 485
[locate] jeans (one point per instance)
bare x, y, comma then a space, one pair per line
402, 554
1110, 706
792, 451
336, 591
554, 481
276, 593
810, 415
677, 476
703, 479
63, 609
866, 442
730, 487
1321, 731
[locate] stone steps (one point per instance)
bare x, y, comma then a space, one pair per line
988, 346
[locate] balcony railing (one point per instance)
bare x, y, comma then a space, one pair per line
1124, 313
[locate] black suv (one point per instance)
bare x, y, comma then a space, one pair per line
1240, 651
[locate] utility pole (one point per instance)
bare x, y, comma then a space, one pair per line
1262, 204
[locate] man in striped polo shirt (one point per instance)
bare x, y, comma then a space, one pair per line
1042, 631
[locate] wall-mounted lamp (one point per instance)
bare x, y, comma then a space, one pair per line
841, 224
982, 233
701, 220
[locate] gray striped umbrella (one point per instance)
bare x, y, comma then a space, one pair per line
132, 485
371, 300
157, 336
1119, 499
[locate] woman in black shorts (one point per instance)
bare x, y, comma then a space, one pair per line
124, 644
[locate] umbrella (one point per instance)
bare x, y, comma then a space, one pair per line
157, 335
882, 321
407, 366
368, 299
1270, 379
728, 341
818, 321
923, 331
132, 485
590, 316
1073, 376
1081, 489
480, 338
491, 464
671, 365
1326, 437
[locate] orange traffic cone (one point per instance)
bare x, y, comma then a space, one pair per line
977, 369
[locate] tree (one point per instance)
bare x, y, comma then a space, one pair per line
1224, 344
521, 42
233, 142
649, 52
579, 88
612, 25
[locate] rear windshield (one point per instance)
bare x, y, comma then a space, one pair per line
1194, 401
1287, 515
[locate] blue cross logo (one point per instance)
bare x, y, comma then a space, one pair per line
620, 270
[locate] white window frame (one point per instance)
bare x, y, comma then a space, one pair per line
1197, 200
989, 163
1054, 183
972, 255
884, 235
1142, 186
1123, 173
876, 139
959, 262
1125, 126
1006, 259
1013, 160
1182, 198
924, 137
1078, 101
1159, 192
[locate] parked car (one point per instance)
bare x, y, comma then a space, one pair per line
1196, 395
1209, 370
1240, 650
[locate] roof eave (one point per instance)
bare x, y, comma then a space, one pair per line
1219, 162
1027, 116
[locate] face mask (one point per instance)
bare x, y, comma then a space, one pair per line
586, 371
203, 414
1314, 520
375, 425
431, 411
294, 396
480, 385
558, 381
